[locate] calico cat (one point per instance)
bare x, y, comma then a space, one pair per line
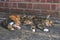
15, 23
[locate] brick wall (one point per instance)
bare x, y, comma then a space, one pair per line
31, 6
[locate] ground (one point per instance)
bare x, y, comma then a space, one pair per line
26, 34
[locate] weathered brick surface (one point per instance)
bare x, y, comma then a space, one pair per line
43, 0
55, 1
50, 1
38, 5
29, 6
53, 7
1, 4
22, 5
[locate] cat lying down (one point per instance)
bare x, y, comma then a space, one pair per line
17, 21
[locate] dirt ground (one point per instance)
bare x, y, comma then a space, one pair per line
26, 34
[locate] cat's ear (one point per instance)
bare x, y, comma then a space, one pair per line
48, 16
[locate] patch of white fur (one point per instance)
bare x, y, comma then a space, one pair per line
48, 16
11, 23
47, 24
18, 27
12, 29
30, 22
46, 30
33, 30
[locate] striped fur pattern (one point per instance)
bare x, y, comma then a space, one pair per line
33, 21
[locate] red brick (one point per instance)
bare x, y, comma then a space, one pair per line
22, 5
41, 6
49, 1
14, 5
58, 7
27, 0
37, 6
55, 1
32, 11
45, 6
42, 0
53, 7
4, 10
6, 4
11, 0
35, 0
18, 0
10, 5
16, 10
1, 5
29, 6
